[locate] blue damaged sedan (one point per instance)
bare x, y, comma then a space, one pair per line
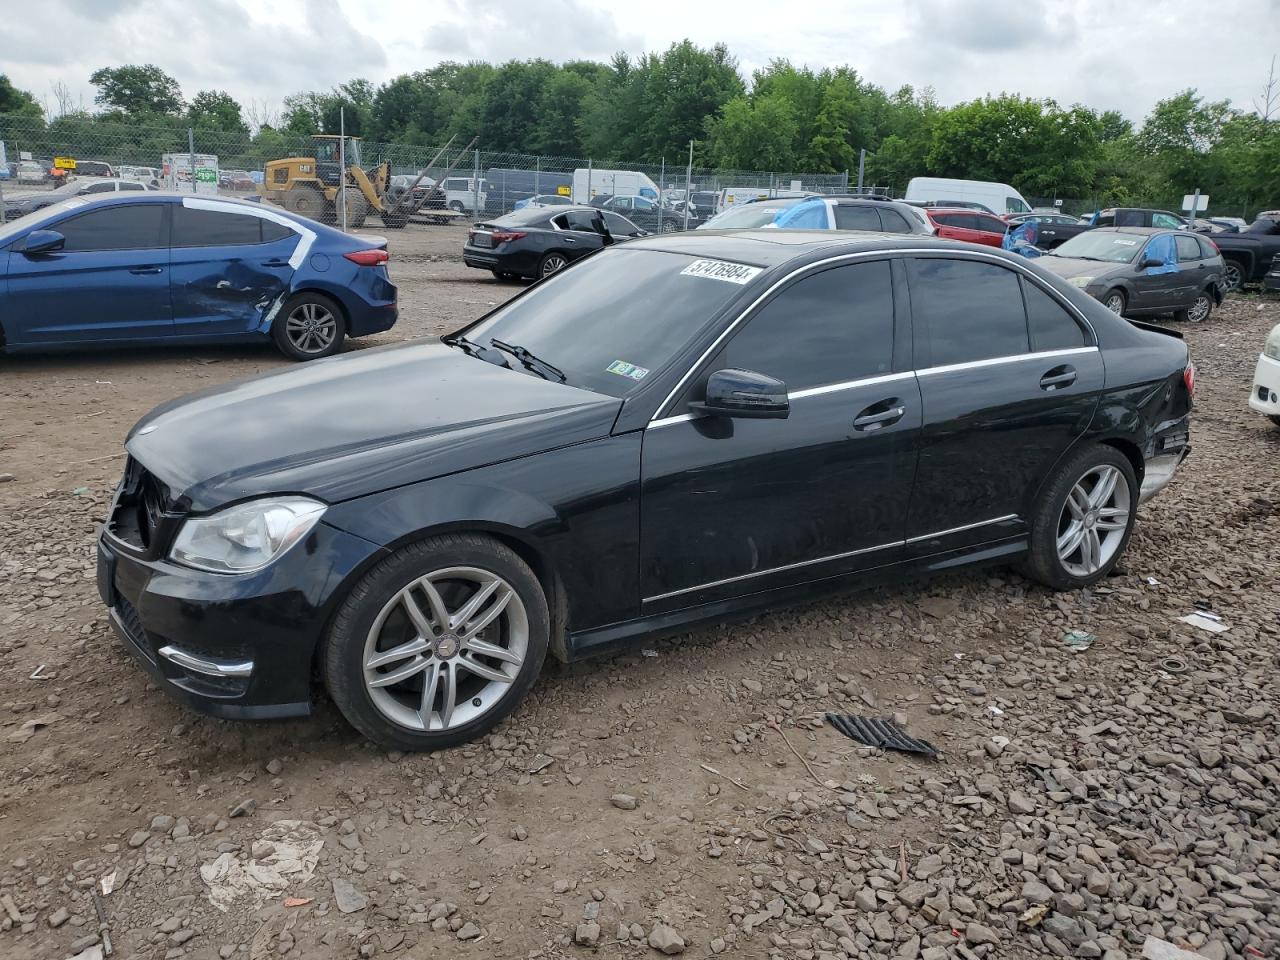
157, 268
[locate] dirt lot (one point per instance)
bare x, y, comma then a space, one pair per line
682, 798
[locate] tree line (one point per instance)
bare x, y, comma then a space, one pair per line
784, 117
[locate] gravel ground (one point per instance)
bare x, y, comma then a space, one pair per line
686, 798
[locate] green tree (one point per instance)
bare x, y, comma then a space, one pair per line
17, 103
137, 91
216, 110
754, 134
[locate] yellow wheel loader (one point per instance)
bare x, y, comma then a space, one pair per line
312, 186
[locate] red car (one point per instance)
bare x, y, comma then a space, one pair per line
971, 225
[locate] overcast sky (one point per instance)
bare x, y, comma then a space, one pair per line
1105, 54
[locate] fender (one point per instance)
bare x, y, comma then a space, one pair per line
575, 510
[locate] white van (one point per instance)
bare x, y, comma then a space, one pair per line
460, 194
999, 198
591, 183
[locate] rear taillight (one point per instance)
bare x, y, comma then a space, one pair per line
368, 258
1214, 245
1189, 378
502, 236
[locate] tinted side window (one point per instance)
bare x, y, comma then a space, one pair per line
106, 187
828, 327
576, 220
972, 311
136, 227
991, 224
1166, 220
856, 217
213, 228
949, 220
1206, 248
1051, 326
620, 225
271, 232
129, 185
1105, 220
893, 222
1188, 248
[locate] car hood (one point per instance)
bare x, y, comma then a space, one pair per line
355, 424
1068, 267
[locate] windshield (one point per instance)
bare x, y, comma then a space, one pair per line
747, 216
617, 317
1097, 245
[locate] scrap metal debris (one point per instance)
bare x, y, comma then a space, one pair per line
1206, 621
881, 733
1078, 641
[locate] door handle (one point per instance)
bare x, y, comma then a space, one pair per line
1058, 377
142, 270
880, 415
275, 262
570, 240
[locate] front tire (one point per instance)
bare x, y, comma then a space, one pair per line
1084, 519
309, 326
438, 643
1115, 301
1233, 277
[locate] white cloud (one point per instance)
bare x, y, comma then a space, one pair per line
1105, 55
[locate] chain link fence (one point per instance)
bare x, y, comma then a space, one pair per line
475, 183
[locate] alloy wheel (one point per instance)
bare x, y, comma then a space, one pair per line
445, 649
1093, 521
552, 264
311, 327
1199, 309
1115, 303
1232, 276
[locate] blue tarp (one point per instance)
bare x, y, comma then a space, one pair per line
1023, 240
808, 214
1164, 249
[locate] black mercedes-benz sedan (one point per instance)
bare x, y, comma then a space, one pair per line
538, 241
678, 429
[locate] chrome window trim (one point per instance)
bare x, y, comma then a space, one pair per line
1010, 358
850, 384
835, 556
853, 257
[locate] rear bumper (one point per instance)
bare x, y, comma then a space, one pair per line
1264, 397
1159, 473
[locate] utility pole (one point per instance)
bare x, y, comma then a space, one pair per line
688, 185
342, 165
662, 180
862, 164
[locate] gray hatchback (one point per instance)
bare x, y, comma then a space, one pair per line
1143, 270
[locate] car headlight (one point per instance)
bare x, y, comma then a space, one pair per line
246, 537
1080, 281
1272, 348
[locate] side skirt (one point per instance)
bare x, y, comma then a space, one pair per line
614, 637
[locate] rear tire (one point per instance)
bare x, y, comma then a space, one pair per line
552, 263
1076, 541
1274, 419
393, 616
306, 202
1115, 301
1199, 310
309, 326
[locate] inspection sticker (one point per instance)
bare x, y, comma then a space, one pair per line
624, 369
1125, 243
721, 270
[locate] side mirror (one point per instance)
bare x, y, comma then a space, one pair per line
1150, 262
43, 241
744, 393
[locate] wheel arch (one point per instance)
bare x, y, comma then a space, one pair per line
538, 560
1124, 443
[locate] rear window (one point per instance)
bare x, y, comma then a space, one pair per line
893, 221
856, 217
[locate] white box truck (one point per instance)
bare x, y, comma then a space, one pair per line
589, 183
176, 172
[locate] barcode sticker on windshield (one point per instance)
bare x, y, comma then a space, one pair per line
721, 270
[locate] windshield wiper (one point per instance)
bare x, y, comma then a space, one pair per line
530, 361
471, 348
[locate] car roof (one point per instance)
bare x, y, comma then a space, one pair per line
1138, 231
958, 210
769, 248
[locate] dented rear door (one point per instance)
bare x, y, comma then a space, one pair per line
229, 271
